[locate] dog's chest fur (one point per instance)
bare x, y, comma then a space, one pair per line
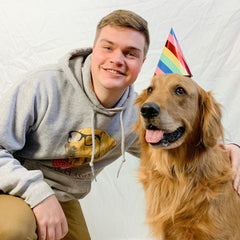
180, 199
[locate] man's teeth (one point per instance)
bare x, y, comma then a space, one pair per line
113, 71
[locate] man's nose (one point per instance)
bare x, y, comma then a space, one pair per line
117, 57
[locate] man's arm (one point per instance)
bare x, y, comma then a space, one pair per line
17, 116
234, 154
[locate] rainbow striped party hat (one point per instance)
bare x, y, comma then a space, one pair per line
172, 59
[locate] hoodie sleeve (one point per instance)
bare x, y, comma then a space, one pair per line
18, 113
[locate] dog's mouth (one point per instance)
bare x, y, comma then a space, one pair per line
155, 136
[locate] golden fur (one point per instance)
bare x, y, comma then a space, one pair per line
187, 183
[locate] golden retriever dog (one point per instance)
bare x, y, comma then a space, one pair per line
186, 174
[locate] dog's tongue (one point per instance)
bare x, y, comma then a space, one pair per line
153, 136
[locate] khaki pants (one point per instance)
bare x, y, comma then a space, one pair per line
17, 220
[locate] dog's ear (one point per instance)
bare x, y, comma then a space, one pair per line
141, 98
211, 128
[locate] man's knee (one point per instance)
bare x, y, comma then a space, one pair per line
8, 232
16, 219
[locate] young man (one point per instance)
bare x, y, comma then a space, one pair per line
63, 124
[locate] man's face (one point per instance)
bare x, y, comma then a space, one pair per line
117, 58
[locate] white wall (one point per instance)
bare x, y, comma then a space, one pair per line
33, 33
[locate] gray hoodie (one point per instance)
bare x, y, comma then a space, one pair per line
55, 136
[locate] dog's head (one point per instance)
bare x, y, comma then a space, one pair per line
173, 110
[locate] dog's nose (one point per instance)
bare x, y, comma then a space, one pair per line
150, 110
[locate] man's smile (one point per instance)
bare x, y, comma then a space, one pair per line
114, 71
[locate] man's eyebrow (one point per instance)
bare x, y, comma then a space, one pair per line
128, 47
106, 40
134, 48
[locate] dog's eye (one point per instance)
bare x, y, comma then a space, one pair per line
180, 91
149, 90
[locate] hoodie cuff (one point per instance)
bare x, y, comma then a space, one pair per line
37, 193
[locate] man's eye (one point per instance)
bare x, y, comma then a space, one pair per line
180, 91
107, 47
131, 54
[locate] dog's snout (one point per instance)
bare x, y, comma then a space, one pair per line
150, 110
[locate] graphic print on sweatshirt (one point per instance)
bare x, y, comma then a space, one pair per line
79, 147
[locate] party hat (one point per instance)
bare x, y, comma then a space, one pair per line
172, 59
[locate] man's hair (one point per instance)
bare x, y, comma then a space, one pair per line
126, 19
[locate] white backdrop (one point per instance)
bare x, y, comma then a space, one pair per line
33, 33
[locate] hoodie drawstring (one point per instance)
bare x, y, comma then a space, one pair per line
122, 143
91, 164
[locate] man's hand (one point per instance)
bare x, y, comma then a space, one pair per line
51, 221
234, 154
